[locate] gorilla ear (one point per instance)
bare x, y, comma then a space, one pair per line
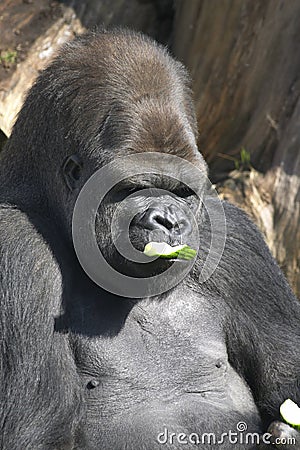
72, 171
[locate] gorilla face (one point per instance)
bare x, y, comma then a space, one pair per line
142, 209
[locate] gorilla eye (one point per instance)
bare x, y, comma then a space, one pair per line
125, 191
72, 171
184, 192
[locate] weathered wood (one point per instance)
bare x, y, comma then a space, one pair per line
153, 17
258, 195
32, 31
244, 60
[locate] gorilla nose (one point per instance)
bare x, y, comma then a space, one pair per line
165, 220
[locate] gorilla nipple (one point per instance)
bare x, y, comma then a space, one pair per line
92, 384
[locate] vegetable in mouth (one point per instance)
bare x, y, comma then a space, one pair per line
164, 250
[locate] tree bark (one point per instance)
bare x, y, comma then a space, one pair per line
31, 32
245, 64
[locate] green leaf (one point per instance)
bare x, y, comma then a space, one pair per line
245, 157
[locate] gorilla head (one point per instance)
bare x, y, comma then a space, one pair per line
99, 101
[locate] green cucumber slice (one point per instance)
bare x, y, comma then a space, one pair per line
164, 250
290, 412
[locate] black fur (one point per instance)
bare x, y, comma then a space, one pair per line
81, 368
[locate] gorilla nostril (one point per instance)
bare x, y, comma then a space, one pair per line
166, 220
163, 221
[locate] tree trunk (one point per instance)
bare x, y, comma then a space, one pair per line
244, 57
31, 31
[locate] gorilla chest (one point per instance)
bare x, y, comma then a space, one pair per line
172, 345
166, 364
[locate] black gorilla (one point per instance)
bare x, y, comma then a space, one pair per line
82, 368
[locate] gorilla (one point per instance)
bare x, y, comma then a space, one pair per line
84, 364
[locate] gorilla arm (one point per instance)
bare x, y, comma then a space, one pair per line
38, 393
263, 330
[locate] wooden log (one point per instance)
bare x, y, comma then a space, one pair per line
30, 34
32, 30
245, 65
